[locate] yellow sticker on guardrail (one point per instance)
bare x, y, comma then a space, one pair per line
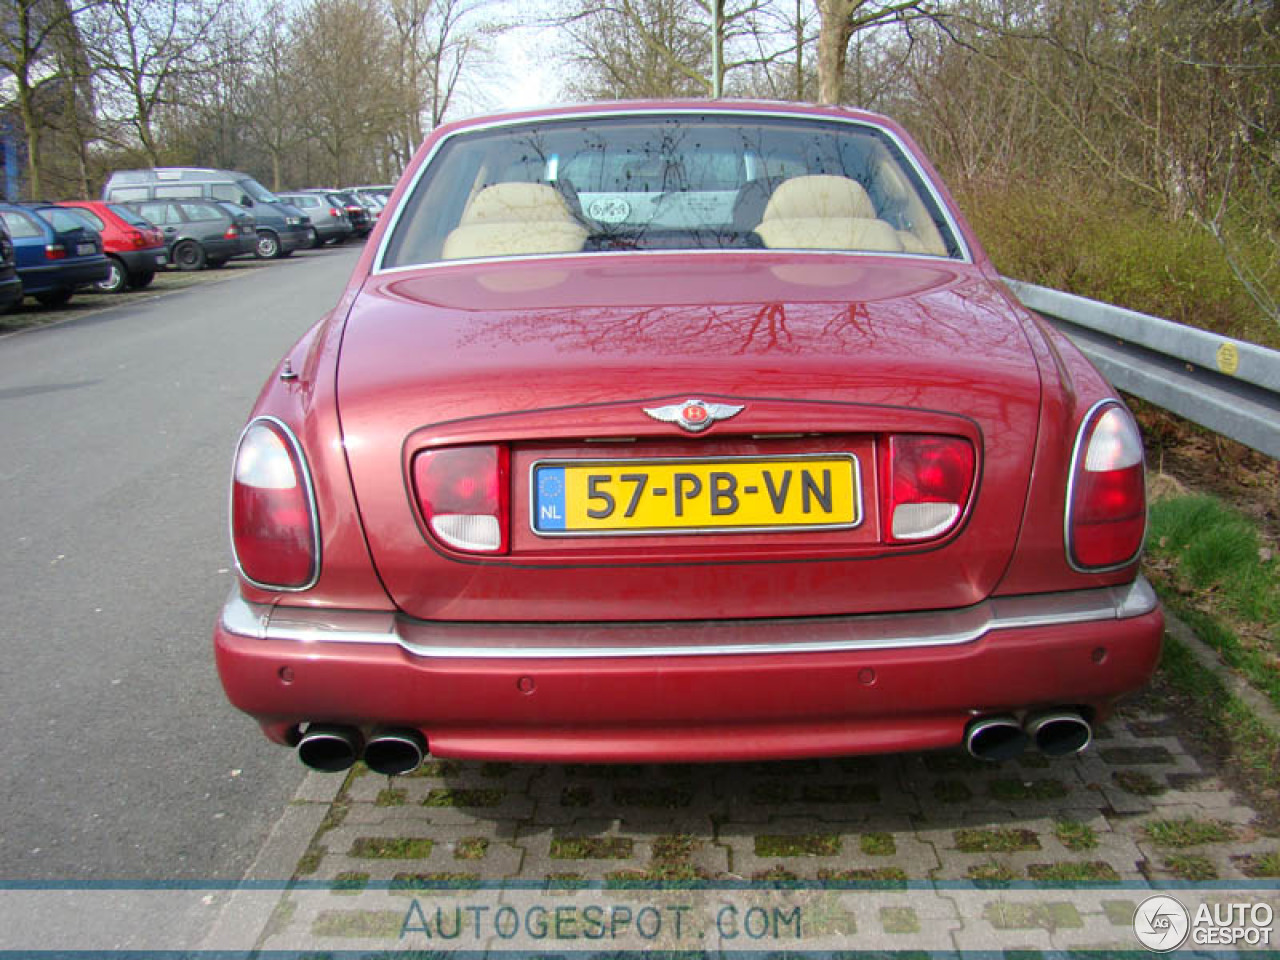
1228, 359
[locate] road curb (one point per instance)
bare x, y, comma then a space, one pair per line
1212, 661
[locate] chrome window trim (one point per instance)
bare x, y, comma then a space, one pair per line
717, 111
312, 509
1077, 451
871, 632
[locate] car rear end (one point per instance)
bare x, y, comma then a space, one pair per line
57, 251
618, 501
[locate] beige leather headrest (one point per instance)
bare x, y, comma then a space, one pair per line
819, 195
512, 219
516, 203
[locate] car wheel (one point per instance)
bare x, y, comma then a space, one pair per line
116, 280
268, 245
54, 298
140, 281
189, 255
316, 240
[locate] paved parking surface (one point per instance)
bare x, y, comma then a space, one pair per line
1136, 807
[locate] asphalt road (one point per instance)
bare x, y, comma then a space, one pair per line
120, 756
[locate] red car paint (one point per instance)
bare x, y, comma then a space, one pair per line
140, 250
717, 646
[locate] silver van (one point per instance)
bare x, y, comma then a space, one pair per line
282, 228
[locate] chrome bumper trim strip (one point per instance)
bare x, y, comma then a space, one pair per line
493, 641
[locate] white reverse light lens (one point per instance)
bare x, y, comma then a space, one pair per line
1115, 444
264, 461
468, 531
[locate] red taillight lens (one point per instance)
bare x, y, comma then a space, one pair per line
463, 495
927, 482
232, 232
335, 212
273, 525
55, 251
137, 238
1107, 514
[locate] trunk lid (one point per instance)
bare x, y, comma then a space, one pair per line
559, 361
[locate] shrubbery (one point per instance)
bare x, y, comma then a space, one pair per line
1095, 245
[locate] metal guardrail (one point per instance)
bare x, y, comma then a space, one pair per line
1229, 386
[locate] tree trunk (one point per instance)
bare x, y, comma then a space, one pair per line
834, 31
32, 133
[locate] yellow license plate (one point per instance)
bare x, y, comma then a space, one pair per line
571, 497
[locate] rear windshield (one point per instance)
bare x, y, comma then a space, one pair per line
128, 216
21, 224
662, 183
204, 211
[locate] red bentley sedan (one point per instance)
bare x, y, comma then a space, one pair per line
682, 431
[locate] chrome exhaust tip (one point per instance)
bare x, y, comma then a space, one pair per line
995, 738
1059, 733
329, 748
395, 752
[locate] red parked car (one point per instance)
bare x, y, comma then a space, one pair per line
135, 246
682, 431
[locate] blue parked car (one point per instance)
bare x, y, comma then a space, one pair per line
10, 285
56, 251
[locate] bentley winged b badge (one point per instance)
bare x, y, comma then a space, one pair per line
694, 415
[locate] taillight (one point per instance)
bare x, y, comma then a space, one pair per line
55, 251
273, 520
137, 238
232, 232
335, 212
463, 495
1107, 509
927, 484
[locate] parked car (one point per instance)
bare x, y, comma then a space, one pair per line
357, 213
56, 251
199, 233
135, 246
329, 219
10, 285
703, 432
281, 229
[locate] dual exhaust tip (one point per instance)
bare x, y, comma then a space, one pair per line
332, 748
1055, 733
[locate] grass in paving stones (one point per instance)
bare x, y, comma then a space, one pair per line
1138, 783
564, 881
675, 847
1191, 866
577, 797
779, 876
591, 848
1128, 756
1075, 835
798, 845
878, 844
954, 762
1120, 912
437, 768
464, 797
310, 861
1261, 865
1092, 872
1032, 916
379, 924
990, 873
996, 840
1188, 832
655, 798
840, 793
392, 848
770, 793
952, 791
409, 882
1016, 790
391, 798
657, 874
471, 848
887, 877
349, 882
899, 920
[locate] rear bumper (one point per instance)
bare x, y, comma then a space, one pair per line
146, 260
688, 691
70, 273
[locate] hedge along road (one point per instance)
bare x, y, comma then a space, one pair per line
122, 758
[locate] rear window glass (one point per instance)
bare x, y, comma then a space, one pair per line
628, 183
128, 216
63, 219
126, 194
21, 224
204, 211
180, 192
92, 217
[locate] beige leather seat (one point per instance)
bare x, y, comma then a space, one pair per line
823, 212
510, 219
